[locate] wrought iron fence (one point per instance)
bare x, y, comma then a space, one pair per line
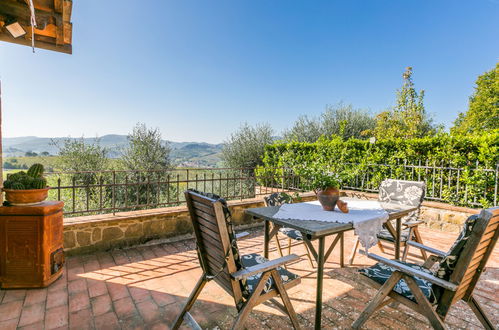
472, 186
115, 191
96, 192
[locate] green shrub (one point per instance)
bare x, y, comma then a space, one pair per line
454, 167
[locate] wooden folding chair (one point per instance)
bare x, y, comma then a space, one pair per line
433, 293
249, 279
406, 193
277, 199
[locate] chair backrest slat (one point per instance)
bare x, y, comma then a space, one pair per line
203, 208
201, 218
212, 237
208, 226
482, 253
472, 259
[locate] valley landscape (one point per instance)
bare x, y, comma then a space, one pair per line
21, 152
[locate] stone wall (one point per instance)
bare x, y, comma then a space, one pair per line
102, 232
444, 216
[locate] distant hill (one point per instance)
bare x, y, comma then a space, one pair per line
195, 154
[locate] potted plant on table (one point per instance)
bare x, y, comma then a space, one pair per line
325, 184
26, 188
326, 187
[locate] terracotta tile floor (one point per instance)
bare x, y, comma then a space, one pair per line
144, 287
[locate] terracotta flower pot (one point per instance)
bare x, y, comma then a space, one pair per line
328, 198
26, 197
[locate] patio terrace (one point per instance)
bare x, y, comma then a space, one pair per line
144, 287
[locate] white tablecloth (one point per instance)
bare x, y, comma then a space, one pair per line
367, 217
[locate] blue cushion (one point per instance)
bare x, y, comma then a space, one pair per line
292, 233
448, 263
277, 199
380, 273
385, 235
252, 281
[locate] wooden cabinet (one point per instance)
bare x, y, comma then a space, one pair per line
31, 251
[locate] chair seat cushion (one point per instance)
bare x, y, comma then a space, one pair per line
380, 273
292, 233
384, 234
252, 281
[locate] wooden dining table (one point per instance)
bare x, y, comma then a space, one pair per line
319, 230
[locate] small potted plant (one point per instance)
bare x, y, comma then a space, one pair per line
325, 184
26, 188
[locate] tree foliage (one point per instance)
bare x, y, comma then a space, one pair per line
246, 147
146, 150
338, 120
305, 129
408, 118
77, 156
483, 110
147, 161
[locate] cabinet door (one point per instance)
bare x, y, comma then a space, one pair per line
55, 230
22, 251
3, 248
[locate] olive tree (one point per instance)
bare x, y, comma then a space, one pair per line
146, 150
246, 146
77, 156
337, 120
146, 160
82, 165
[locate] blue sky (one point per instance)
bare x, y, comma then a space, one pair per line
197, 69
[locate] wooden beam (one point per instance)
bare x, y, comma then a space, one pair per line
19, 10
61, 8
58, 6
48, 31
67, 10
67, 49
59, 32
68, 33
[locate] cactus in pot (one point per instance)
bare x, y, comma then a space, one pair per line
36, 171
39, 183
17, 186
25, 188
33, 179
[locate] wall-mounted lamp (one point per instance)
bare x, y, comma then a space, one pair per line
15, 29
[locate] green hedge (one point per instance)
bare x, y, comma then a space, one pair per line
452, 166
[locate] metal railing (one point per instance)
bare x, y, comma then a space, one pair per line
97, 192
115, 191
474, 186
